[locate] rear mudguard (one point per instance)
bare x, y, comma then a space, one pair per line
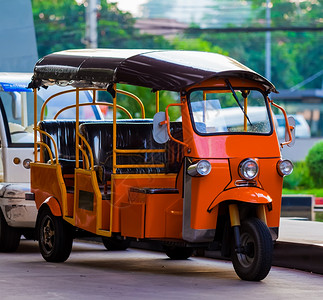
243, 194
53, 205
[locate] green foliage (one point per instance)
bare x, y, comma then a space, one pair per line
307, 176
59, 25
300, 178
148, 98
295, 55
319, 217
314, 161
196, 44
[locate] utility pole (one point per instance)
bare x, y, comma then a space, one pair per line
91, 33
268, 40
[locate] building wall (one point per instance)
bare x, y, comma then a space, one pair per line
18, 50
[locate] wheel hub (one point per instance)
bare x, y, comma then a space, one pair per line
48, 234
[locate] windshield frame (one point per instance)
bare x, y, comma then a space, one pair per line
10, 144
225, 88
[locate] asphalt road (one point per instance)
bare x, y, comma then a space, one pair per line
91, 272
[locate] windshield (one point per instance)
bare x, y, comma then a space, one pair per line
226, 112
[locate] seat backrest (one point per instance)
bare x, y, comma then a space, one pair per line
63, 132
131, 135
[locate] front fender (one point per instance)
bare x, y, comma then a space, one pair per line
243, 194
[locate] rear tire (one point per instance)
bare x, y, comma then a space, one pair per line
9, 236
114, 244
178, 253
55, 237
255, 264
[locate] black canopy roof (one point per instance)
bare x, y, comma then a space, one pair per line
157, 69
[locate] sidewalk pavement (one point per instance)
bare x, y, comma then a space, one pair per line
300, 245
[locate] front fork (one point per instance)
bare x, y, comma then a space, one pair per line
235, 223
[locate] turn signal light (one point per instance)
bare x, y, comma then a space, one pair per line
201, 168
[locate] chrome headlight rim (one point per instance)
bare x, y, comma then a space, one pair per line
26, 163
199, 168
243, 172
281, 169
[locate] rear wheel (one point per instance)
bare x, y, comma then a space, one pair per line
114, 244
255, 262
178, 253
9, 236
55, 237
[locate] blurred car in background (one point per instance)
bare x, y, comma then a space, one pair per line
302, 129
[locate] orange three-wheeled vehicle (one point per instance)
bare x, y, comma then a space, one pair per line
205, 173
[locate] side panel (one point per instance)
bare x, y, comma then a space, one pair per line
198, 222
204, 189
16, 172
86, 198
47, 181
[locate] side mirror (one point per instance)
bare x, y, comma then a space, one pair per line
291, 123
16, 105
160, 133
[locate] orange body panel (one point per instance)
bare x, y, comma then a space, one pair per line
204, 190
174, 220
122, 184
70, 204
152, 216
133, 219
86, 199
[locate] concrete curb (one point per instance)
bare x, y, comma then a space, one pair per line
303, 257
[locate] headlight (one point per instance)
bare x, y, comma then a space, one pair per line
26, 163
202, 168
285, 167
248, 169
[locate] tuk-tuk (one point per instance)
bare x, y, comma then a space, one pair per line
211, 177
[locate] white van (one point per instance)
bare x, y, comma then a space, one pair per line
17, 215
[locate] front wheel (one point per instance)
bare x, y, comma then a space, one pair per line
255, 262
55, 237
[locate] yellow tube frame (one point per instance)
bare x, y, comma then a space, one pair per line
48, 149
90, 104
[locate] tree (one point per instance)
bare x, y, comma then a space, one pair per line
295, 55
60, 25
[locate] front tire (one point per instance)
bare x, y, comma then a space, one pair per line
9, 236
178, 253
255, 263
55, 237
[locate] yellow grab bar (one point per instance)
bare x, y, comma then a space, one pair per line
136, 98
53, 141
48, 150
89, 148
